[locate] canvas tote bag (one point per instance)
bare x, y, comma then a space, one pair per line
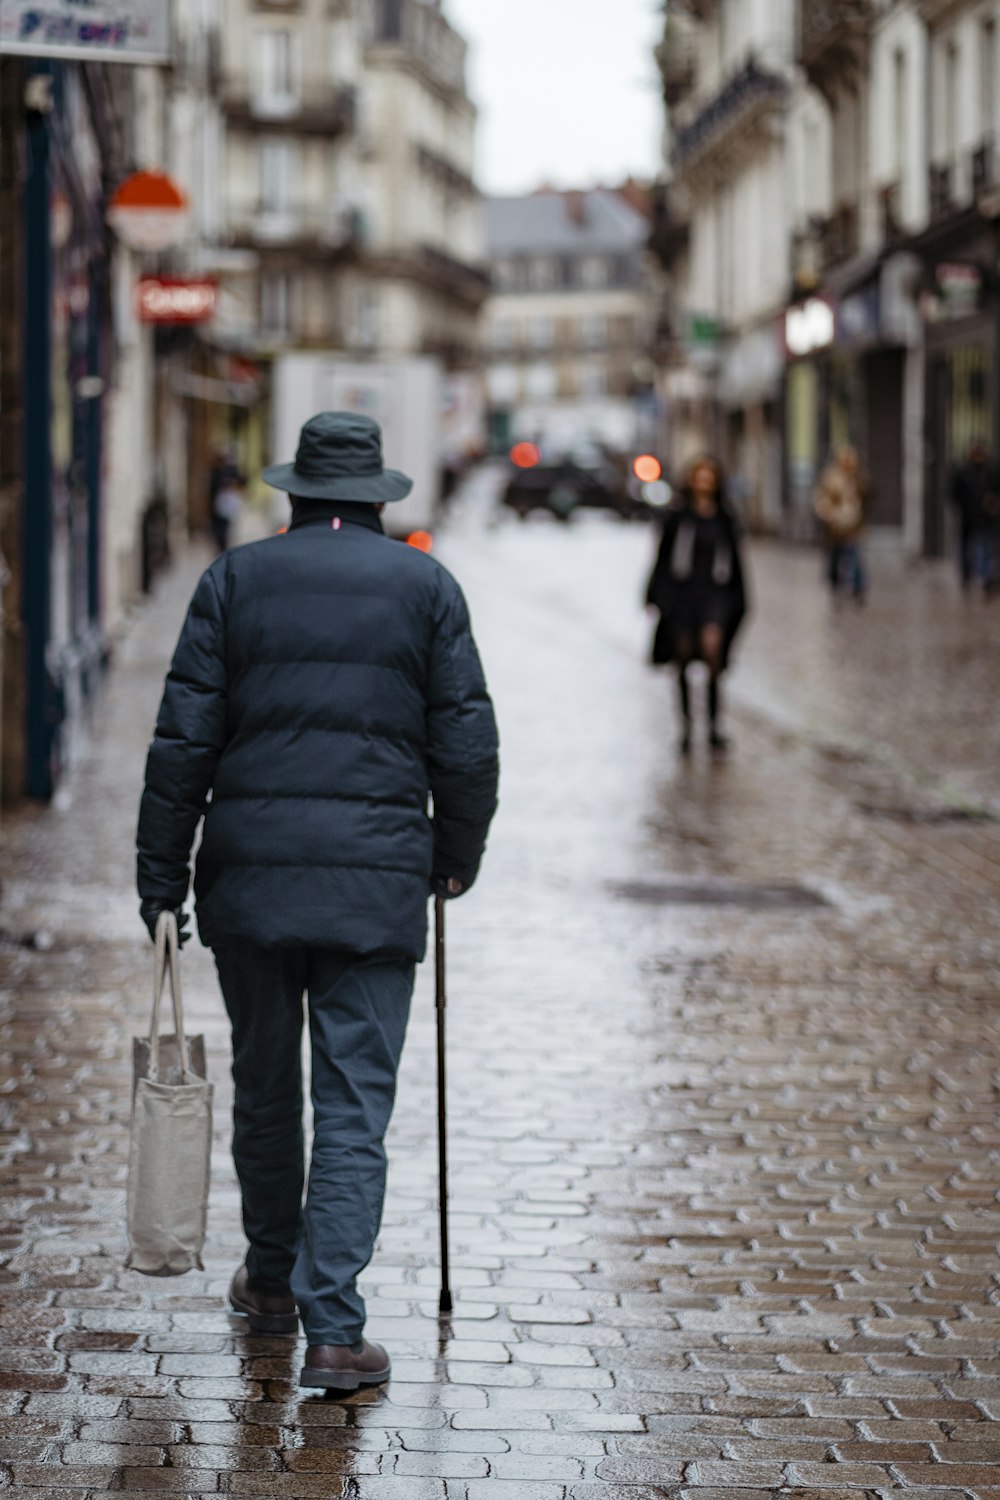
168, 1162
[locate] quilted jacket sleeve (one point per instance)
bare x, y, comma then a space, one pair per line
188, 740
462, 752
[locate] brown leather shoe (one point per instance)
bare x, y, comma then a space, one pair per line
264, 1312
345, 1367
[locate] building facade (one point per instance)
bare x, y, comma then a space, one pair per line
568, 321
325, 149
958, 250
728, 67
71, 509
348, 217
885, 237
855, 143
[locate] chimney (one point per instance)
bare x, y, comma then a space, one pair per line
576, 208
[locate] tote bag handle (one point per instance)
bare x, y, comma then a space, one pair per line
168, 962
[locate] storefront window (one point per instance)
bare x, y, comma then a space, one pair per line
968, 418
840, 404
803, 405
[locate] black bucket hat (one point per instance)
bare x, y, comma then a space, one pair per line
339, 458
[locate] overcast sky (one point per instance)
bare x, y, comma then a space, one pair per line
566, 89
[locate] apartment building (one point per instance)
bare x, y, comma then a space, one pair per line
958, 292
903, 251
852, 335
727, 67
880, 119
349, 219
421, 279
568, 321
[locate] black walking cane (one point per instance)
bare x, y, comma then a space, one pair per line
444, 1305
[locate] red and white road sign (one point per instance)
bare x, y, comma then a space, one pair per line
175, 299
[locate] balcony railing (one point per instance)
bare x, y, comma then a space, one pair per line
749, 96
458, 280
839, 236
985, 171
941, 190
304, 229
445, 172
890, 214
473, 280
328, 111
424, 33
831, 36
669, 230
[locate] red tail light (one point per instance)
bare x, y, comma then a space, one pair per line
647, 468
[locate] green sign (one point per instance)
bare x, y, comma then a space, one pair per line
703, 329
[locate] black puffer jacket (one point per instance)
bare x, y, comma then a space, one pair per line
324, 683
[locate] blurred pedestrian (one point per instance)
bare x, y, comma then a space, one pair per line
841, 503
697, 586
223, 468
223, 471
975, 494
227, 508
325, 685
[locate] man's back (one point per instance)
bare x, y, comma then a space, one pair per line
327, 680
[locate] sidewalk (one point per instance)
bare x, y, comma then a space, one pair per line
724, 1063
912, 678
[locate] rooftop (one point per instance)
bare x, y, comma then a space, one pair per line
564, 222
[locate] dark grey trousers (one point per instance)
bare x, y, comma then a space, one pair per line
358, 1010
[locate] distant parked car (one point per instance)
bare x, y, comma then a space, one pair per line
561, 480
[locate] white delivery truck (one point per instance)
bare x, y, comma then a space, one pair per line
404, 396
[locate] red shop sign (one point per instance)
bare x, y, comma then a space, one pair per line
175, 299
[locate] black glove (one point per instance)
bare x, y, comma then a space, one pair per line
150, 911
447, 888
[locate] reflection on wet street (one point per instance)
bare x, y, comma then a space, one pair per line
723, 1083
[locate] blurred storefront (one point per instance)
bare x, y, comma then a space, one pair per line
959, 306
749, 391
64, 355
808, 419
67, 123
848, 385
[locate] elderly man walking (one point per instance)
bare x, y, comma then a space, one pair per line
325, 683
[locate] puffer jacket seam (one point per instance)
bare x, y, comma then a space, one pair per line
264, 796
321, 661
311, 864
246, 731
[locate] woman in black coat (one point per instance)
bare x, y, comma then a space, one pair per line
697, 586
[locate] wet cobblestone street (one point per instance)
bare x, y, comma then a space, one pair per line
724, 1042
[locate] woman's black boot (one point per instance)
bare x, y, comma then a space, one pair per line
684, 691
716, 740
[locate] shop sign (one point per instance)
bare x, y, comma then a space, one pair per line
132, 31
175, 299
703, 330
808, 327
956, 291
704, 338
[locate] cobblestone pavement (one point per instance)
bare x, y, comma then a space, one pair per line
724, 1073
